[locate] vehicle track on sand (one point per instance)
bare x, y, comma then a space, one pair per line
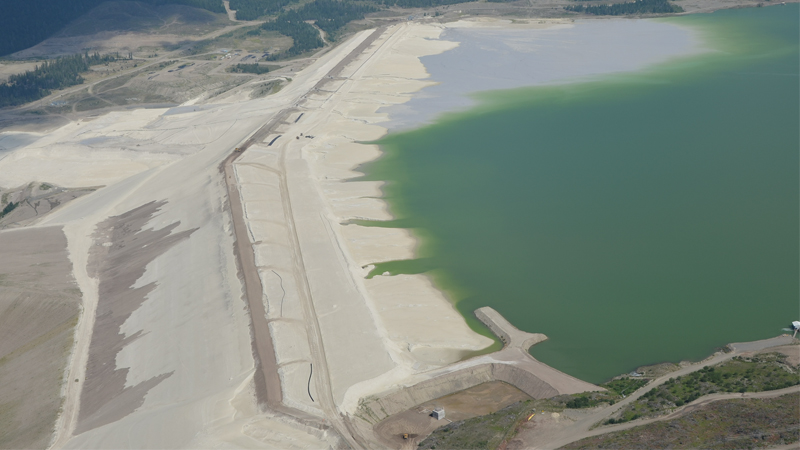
267, 381
268, 388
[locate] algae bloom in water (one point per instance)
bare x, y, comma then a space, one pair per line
643, 217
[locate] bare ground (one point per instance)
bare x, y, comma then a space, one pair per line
34, 201
166, 69
125, 26
707, 6
554, 9
573, 425
476, 401
122, 250
8, 68
39, 307
792, 353
266, 379
179, 36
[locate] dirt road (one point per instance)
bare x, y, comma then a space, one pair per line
267, 381
140, 68
581, 428
688, 408
231, 13
268, 388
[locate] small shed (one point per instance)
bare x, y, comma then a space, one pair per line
438, 413
796, 324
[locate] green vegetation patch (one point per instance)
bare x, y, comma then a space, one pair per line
266, 89
484, 432
115, 15
724, 424
8, 208
329, 15
616, 390
253, 9
419, 3
115, 82
126, 95
763, 372
48, 76
91, 103
625, 385
255, 68
248, 39
622, 9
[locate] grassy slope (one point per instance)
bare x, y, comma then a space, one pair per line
778, 419
763, 372
725, 424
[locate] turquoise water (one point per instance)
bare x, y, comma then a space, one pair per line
635, 219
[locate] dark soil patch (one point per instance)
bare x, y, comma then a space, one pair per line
39, 307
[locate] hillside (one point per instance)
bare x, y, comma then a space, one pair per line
24, 24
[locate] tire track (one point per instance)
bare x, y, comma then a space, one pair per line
268, 387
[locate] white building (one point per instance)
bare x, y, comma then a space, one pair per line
438, 413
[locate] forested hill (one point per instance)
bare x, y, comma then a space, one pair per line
329, 15
634, 7
25, 23
40, 82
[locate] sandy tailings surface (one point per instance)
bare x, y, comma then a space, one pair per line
296, 187
121, 252
33, 201
163, 353
39, 307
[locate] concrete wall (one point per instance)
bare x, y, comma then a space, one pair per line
523, 380
377, 408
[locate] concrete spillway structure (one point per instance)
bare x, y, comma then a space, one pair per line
511, 336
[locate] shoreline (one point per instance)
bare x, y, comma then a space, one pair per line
496, 54
191, 320
340, 340
380, 284
509, 308
409, 327
322, 181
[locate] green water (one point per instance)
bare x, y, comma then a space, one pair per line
636, 219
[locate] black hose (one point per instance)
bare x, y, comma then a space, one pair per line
309, 383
